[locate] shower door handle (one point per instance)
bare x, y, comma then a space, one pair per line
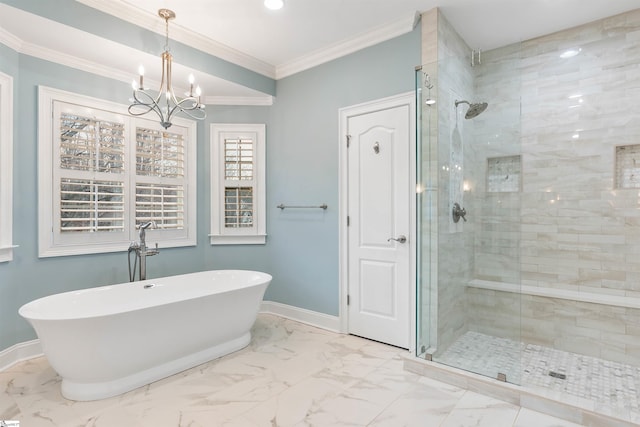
399, 239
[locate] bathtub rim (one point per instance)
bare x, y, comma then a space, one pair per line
29, 312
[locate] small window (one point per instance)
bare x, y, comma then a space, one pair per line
6, 167
238, 184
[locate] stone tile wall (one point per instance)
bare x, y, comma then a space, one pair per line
578, 91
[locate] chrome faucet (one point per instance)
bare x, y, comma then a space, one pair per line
142, 252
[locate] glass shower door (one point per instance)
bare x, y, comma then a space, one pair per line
469, 222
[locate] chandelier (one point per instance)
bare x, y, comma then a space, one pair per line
166, 103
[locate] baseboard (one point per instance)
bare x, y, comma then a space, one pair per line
313, 318
19, 352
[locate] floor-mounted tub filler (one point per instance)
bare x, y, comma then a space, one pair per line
108, 340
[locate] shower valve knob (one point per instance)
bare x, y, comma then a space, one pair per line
458, 213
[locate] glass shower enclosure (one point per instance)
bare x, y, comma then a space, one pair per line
469, 187
529, 211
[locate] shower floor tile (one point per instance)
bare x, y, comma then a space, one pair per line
613, 388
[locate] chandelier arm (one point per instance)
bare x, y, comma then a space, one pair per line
149, 97
149, 108
200, 116
193, 103
195, 107
152, 105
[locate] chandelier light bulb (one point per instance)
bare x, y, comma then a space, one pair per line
141, 73
274, 4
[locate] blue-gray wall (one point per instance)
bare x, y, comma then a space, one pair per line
303, 164
302, 167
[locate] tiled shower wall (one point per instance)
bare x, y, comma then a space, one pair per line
578, 230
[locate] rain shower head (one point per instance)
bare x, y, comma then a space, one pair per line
474, 109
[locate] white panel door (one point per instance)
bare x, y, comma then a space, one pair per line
379, 191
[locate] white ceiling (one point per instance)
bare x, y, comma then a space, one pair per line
301, 35
304, 27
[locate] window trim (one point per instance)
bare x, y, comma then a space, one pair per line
219, 235
6, 167
47, 247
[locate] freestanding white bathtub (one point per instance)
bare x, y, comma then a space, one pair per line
108, 340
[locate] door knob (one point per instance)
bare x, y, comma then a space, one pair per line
399, 239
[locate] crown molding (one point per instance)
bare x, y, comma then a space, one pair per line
151, 22
10, 40
132, 15
77, 63
346, 47
258, 101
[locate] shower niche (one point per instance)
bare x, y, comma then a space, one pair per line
504, 174
627, 166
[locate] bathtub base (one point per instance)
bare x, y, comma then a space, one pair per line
94, 391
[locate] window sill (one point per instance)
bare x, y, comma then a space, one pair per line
71, 250
6, 253
253, 239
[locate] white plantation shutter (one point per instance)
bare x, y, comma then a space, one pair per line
238, 207
163, 204
91, 205
238, 184
90, 144
103, 172
159, 153
90, 148
239, 159
160, 159
239, 164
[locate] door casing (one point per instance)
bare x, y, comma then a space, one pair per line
407, 98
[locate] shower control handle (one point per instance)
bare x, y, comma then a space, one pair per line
458, 213
399, 239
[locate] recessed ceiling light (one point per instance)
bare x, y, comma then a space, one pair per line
274, 4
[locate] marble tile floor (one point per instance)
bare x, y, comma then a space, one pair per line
291, 374
609, 388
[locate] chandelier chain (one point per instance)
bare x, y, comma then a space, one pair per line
166, 34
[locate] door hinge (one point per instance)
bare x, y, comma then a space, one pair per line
348, 140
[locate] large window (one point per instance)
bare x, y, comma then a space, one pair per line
6, 167
238, 184
103, 172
